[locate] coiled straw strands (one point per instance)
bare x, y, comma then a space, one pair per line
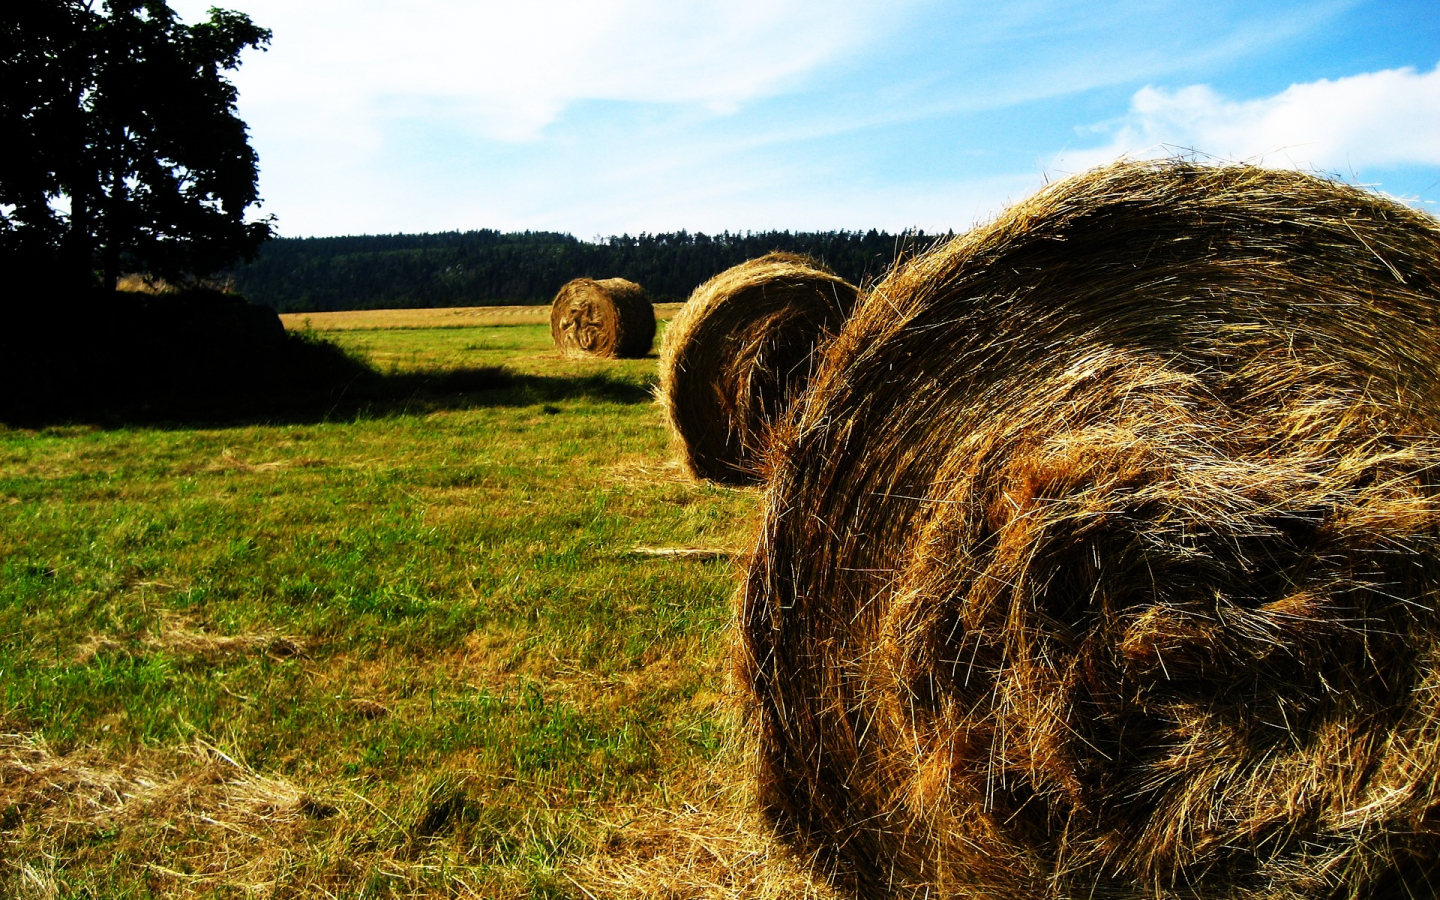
1101, 560
739, 353
610, 318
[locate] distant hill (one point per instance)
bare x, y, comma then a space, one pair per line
484, 268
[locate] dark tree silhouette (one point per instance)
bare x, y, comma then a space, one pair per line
123, 149
478, 268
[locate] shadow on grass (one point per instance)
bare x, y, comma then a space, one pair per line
334, 384
153, 363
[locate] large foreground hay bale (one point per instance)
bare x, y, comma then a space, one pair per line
612, 317
739, 352
1101, 558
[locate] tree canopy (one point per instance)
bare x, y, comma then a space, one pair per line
479, 268
123, 150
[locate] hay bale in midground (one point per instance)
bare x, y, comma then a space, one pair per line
1102, 558
612, 317
739, 353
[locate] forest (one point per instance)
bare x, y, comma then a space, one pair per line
487, 267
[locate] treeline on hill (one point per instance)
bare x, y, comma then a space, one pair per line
483, 268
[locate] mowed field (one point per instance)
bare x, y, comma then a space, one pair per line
449, 317
424, 650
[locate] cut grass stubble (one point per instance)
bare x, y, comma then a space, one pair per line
412, 654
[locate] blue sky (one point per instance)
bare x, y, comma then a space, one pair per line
601, 117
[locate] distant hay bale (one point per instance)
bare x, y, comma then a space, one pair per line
1103, 557
612, 318
740, 352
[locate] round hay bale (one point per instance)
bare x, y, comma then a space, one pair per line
612, 317
1102, 557
739, 353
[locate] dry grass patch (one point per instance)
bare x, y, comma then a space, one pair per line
644, 471
705, 843
693, 554
227, 461
237, 826
179, 635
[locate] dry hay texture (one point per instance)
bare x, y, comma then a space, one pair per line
739, 353
610, 318
1101, 558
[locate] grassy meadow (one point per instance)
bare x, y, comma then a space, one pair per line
412, 650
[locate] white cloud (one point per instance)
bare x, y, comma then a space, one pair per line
1388, 118
509, 69
596, 116
358, 106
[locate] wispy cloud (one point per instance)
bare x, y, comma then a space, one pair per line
1374, 120
601, 116
510, 69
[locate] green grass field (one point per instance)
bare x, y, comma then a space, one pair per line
412, 652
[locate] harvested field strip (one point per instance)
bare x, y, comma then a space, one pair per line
448, 317
428, 620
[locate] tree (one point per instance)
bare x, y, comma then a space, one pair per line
123, 150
